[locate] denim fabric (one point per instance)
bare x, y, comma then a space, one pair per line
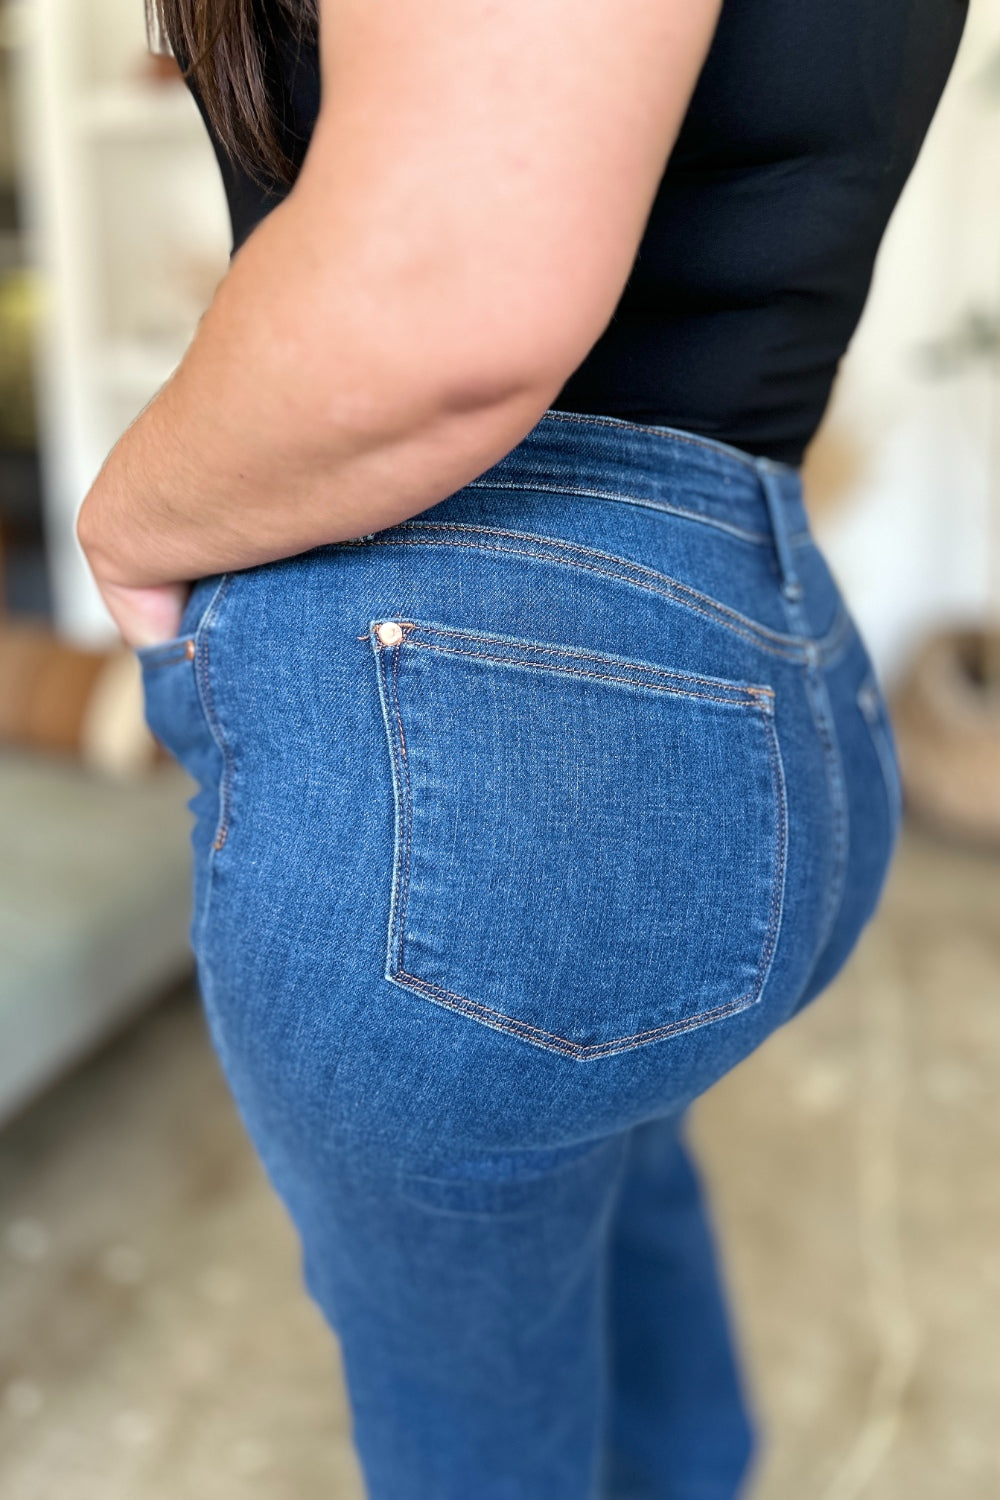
517, 825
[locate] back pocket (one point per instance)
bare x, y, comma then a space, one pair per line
589, 851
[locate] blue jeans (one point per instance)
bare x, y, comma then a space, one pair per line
518, 825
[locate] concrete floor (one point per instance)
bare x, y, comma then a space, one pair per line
155, 1343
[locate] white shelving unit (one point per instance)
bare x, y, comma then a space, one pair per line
127, 225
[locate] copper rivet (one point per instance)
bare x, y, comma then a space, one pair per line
189, 650
389, 633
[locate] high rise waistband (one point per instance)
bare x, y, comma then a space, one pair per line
662, 467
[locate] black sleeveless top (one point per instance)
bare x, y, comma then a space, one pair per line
757, 257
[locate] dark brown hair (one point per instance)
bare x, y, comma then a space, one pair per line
226, 48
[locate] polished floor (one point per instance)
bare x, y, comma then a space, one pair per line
155, 1343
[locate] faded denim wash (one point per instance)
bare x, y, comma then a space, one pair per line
517, 825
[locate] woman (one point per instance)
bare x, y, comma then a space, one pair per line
542, 772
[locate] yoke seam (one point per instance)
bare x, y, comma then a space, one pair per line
625, 564
787, 648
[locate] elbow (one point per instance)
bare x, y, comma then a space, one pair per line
422, 390
379, 366
485, 387
480, 381
521, 363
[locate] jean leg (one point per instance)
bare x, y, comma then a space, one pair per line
470, 1313
679, 1428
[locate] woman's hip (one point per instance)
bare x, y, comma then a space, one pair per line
534, 814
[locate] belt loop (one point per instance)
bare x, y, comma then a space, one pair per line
768, 474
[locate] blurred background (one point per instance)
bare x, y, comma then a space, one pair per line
155, 1341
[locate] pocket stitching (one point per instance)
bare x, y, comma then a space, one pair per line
408, 814
167, 653
787, 647
735, 693
498, 1020
545, 666
204, 684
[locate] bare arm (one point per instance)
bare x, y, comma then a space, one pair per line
465, 220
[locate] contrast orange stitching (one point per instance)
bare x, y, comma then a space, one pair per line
572, 651
738, 699
780, 853
407, 813
177, 653
487, 1015
795, 650
579, 1050
624, 563
586, 1052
